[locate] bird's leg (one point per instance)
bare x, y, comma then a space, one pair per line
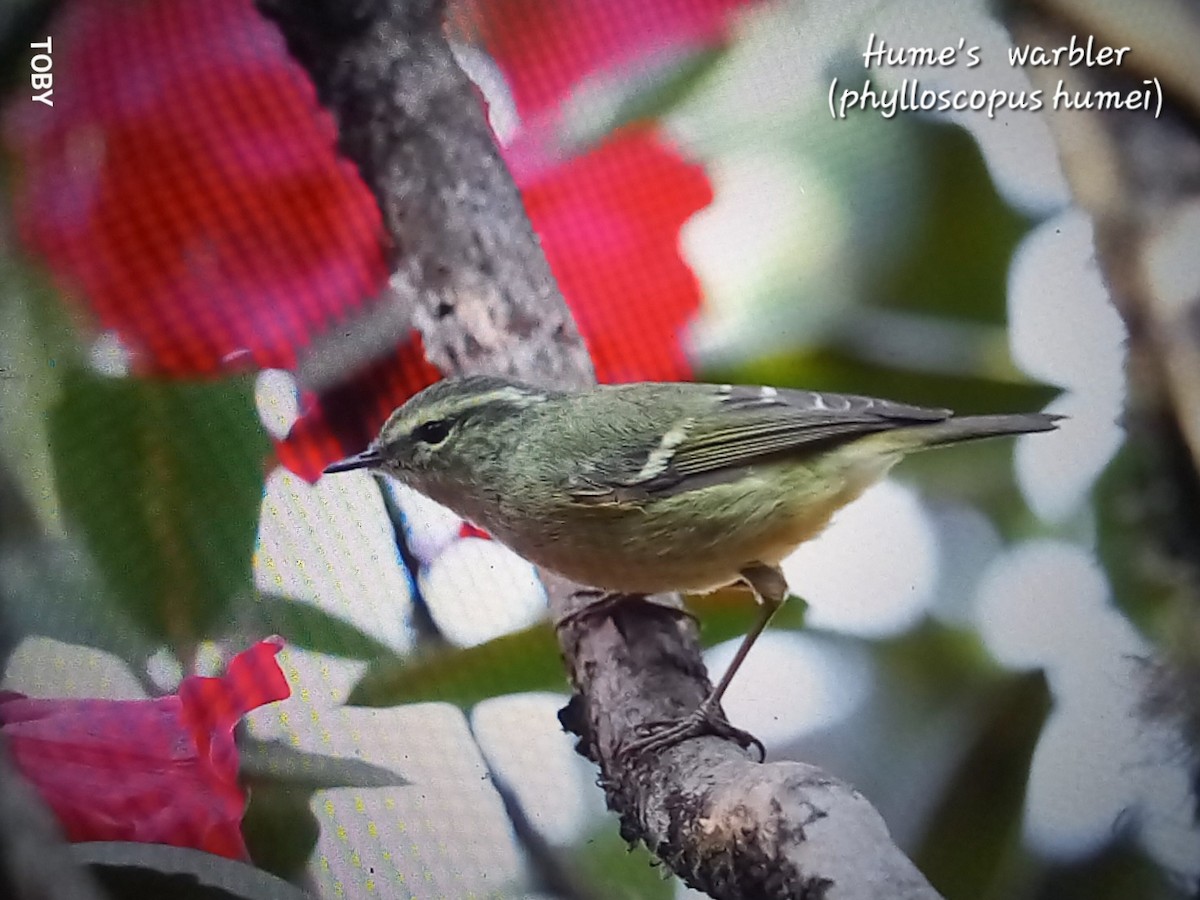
770, 587
608, 602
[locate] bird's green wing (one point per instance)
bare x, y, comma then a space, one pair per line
721, 429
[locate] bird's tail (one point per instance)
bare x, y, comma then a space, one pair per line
962, 428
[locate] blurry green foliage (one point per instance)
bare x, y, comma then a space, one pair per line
280, 828
968, 855
728, 614
37, 346
1144, 583
526, 660
636, 96
615, 870
51, 588
933, 664
304, 625
961, 242
529, 660
271, 761
164, 482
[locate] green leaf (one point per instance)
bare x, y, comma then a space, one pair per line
280, 828
164, 482
728, 614
526, 660
37, 344
263, 761
51, 588
307, 626
529, 660
934, 665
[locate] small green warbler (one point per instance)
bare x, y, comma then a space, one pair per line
646, 488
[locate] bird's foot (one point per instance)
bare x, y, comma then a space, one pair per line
608, 602
704, 721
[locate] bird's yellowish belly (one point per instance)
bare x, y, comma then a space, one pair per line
668, 544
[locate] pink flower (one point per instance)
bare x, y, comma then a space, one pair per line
161, 771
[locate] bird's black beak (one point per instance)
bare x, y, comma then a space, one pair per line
369, 457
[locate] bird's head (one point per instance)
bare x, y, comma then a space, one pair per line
440, 435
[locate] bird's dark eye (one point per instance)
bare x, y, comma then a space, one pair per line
432, 432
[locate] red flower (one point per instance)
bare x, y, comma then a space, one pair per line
466, 530
609, 222
158, 771
185, 184
186, 187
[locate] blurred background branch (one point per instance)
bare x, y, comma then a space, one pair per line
1139, 179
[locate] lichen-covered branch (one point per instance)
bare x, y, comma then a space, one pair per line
727, 825
466, 259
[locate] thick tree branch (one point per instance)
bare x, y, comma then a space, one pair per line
483, 299
729, 826
463, 252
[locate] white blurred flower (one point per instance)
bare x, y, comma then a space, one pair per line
1065, 331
